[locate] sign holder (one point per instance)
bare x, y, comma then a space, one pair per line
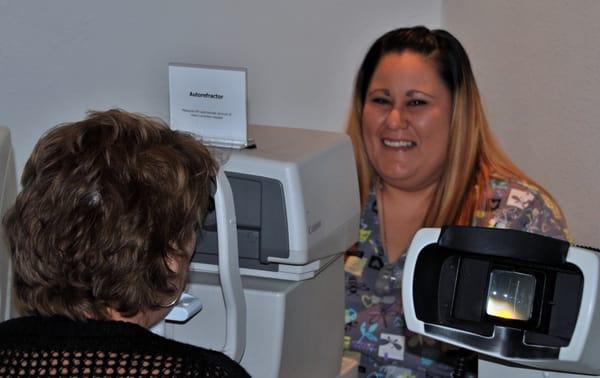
211, 103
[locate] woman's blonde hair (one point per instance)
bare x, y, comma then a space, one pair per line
474, 155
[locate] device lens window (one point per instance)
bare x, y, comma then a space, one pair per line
510, 295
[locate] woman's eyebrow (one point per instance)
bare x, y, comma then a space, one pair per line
383, 90
413, 92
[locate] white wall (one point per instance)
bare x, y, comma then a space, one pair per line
537, 64
60, 58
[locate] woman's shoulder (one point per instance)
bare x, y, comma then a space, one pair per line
519, 204
522, 194
123, 341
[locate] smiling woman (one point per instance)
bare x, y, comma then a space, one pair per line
426, 157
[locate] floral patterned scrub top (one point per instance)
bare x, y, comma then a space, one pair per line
375, 325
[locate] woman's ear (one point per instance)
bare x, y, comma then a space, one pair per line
173, 262
180, 254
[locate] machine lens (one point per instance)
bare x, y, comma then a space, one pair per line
510, 295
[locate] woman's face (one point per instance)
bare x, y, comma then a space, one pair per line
406, 121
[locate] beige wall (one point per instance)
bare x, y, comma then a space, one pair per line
538, 67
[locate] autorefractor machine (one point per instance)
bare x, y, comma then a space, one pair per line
527, 304
266, 283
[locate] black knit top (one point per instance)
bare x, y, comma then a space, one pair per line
60, 347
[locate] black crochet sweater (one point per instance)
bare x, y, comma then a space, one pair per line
60, 347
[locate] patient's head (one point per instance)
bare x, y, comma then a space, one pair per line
104, 226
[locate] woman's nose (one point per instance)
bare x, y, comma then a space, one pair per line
395, 120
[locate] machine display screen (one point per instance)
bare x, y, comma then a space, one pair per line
510, 295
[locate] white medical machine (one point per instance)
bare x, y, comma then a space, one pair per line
289, 208
527, 304
8, 193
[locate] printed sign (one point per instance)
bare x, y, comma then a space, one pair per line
209, 102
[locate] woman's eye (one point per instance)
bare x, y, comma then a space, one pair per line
380, 100
416, 102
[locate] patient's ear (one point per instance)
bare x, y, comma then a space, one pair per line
180, 254
173, 262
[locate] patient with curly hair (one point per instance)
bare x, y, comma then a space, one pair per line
101, 237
